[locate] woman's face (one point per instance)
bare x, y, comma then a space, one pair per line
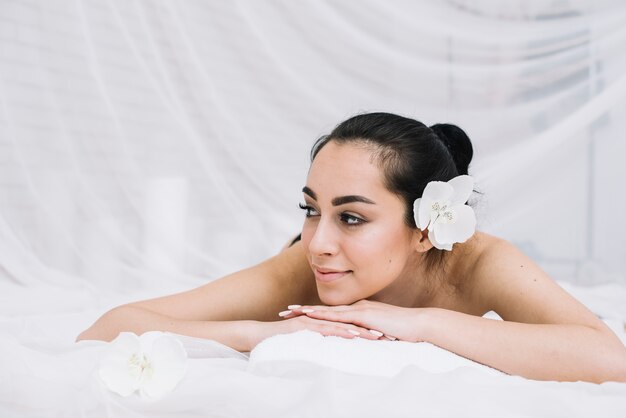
354, 233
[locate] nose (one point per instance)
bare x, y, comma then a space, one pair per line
325, 240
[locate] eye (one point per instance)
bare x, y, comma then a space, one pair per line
309, 211
351, 220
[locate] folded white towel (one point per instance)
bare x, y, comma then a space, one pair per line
358, 355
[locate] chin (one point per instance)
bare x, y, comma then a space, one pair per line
335, 298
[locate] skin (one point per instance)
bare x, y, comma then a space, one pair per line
385, 291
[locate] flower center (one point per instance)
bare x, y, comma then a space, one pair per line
140, 367
441, 213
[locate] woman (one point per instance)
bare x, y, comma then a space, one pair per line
388, 251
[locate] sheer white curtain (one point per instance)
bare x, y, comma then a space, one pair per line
166, 142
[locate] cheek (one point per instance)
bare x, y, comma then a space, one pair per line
381, 246
379, 257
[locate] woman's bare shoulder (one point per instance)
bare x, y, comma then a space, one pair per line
486, 256
468, 273
490, 251
483, 241
293, 271
509, 282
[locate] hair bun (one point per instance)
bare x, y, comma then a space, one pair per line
457, 142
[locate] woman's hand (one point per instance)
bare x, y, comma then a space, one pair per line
389, 321
295, 323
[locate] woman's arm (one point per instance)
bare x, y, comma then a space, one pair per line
546, 333
211, 311
240, 335
562, 352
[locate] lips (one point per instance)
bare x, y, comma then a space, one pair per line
326, 275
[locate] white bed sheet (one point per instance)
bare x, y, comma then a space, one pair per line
43, 373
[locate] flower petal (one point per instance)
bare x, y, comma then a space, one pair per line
421, 212
147, 340
433, 239
438, 190
462, 186
459, 231
114, 371
168, 359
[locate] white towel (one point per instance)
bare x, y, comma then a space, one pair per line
358, 355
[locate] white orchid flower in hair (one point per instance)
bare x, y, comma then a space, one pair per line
152, 364
443, 211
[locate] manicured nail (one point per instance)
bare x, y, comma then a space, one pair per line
376, 333
284, 313
307, 310
354, 332
294, 306
391, 338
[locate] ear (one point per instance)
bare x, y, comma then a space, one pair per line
421, 243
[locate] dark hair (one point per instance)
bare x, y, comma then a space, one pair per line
410, 153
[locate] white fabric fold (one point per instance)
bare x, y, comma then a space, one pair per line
358, 355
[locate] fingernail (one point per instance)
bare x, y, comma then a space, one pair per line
376, 333
294, 306
391, 338
307, 310
284, 313
354, 332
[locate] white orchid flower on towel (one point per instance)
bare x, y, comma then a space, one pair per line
443, 211
153, 364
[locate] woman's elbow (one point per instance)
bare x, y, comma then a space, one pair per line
619, 369
87, 335
613, 367
106, 328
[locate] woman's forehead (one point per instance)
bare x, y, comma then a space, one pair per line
345, 169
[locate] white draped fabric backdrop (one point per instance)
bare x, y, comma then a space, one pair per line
166, 143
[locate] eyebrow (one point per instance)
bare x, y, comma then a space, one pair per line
341, 200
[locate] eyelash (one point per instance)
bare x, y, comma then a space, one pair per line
345, 218
307, 209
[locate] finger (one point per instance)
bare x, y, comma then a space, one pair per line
322, 327
354, 317
345, 316
350, 333
337, 332
295, 310
290, 313
323, 308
